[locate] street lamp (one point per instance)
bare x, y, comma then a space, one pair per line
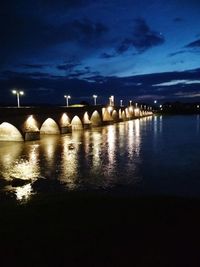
95, 99
18, 93
155, 101
111, 100
121, 103
67, 97
130, 102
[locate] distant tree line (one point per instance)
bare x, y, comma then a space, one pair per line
178, 108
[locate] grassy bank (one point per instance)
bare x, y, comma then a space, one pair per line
93, 229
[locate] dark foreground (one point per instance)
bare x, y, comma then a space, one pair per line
81, 229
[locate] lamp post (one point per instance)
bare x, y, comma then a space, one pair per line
95, 99
18, 93
130, 102
111, 100
121, 103
67, 97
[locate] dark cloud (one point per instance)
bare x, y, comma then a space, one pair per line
89, 29
177, 53
33, 66
138, 87
66, 4
195, 44
23, 37
143, 38
178, 19
106, 55
68, 66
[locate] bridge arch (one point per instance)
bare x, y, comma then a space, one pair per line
123, 114
86, 119
31, 125
49, 126
127, 113
115, 115
9, 132
107, 114
65, 120
96, 118
120, 113
76, 123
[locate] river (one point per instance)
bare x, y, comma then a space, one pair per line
148, 156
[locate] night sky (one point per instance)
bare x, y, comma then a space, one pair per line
140, 50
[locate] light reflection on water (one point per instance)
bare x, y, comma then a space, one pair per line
134, 153
90, 158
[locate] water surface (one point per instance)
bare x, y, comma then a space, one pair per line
153, 155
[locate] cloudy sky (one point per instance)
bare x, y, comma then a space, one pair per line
134, 49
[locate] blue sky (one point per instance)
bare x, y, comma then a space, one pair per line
138, 50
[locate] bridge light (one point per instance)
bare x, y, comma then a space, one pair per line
18, 93
95, 99
67, 97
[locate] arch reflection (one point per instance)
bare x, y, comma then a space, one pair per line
69, 163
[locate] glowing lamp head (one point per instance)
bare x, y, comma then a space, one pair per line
95, 96
14, 92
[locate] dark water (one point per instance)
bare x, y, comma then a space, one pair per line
153, 155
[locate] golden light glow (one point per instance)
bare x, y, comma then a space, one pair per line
65, 121
86, 119
111, 146
127, 113
109, 108
95, 118
23, 192
130, 109
120, 114
9, 132
123, 115
30, 124
49, 127
107, 114
137, 112
96, 138
24, 169
76, 123
115, 115
69, 160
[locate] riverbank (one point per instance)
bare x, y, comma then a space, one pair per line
95, 229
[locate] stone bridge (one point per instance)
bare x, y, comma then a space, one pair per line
28, 123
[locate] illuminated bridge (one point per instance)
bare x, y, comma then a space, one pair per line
28, 123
